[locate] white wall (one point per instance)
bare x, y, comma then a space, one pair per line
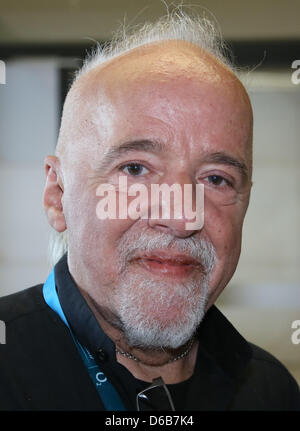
28, 125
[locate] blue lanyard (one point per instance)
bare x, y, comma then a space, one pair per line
105, 389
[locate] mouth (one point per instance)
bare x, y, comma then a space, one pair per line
166, 264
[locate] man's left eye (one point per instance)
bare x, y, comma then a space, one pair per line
217, 180
134, 169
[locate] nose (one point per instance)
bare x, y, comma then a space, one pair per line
175, 204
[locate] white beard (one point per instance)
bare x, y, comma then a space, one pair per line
145, 330
143, 303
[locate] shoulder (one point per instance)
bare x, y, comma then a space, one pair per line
268, 384
27, 317
266, 362
21, 304
40, 368
260, 355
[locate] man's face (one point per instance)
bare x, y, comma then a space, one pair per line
164, 117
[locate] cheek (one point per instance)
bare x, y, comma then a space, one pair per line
93, 240
223, 227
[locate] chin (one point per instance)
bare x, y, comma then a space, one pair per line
154, 315
154, 337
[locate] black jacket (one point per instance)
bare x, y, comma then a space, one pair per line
41, 369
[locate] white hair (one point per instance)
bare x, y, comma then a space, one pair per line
58, 246
176, 25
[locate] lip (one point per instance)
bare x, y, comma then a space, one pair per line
167, 264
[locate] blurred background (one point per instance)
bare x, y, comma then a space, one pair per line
42, 42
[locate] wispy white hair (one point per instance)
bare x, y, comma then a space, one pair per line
176, 25
58, 246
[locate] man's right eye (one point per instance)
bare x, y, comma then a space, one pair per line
134, 169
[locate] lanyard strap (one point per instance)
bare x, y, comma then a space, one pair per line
105, 389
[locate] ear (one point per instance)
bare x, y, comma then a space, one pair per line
53, 194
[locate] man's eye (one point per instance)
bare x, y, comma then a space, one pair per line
134, 169
217, 180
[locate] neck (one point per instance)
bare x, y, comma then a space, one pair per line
148, 363
152, 364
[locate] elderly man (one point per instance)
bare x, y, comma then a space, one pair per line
126, 319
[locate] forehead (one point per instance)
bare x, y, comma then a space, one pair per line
157, 63
167, 58
173, 86
160, 62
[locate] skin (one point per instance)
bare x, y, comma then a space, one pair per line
178, 95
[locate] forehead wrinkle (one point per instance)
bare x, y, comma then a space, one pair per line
137, 145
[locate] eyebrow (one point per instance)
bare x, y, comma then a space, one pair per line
225, 159
140, 145
156, 147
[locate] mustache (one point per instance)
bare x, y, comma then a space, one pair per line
199, 249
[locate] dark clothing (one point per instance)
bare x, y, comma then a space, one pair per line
41, 369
